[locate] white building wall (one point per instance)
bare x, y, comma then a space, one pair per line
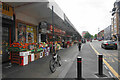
26, 18
107, 32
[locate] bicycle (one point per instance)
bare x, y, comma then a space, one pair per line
55, 62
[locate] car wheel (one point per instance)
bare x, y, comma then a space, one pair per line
104, 47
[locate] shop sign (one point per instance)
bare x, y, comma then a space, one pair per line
63, 32
68, 36
7, 11
43, 30
43, 25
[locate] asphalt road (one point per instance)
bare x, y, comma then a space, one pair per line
110, 56
89, 65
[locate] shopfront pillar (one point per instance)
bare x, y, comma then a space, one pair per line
13, 29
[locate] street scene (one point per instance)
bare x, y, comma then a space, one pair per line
49, 39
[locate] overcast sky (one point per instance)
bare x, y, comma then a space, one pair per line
88, 15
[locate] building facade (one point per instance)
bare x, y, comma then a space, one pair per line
32, 23
107, 33
83, 33
116, 20
100, 35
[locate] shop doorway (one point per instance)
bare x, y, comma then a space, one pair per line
43, 37
6, 39
5, 43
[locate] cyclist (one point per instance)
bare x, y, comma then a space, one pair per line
56, 60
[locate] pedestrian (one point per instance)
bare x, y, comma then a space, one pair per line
63, 43
79, 45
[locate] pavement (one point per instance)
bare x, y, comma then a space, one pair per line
39, 69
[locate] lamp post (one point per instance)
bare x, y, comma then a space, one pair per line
53, 30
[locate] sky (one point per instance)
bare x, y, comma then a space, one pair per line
88, 15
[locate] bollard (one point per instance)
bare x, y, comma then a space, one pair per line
79, 67
100, 64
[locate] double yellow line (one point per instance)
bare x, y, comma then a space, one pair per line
110, 68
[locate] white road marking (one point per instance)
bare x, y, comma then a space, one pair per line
110, 74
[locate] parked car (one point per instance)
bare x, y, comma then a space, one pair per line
99, 39
88, 40
109, 44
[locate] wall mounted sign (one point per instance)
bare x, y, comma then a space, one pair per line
7, 11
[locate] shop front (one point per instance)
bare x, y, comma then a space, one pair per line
26, 48
59, 37
42, 31
7, 30
26, 32
23, 38
29, 32
19, 38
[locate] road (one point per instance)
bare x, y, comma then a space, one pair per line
110, 56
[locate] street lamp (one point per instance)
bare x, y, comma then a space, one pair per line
53, 30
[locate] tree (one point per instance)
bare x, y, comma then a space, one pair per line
95, 36
92, 36
87, 35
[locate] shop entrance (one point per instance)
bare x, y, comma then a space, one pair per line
6, 39
43, 37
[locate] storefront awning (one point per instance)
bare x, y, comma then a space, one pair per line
41, 11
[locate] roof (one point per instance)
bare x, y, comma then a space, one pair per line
41, 10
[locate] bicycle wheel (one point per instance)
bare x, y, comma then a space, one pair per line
59, 60
52, 65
